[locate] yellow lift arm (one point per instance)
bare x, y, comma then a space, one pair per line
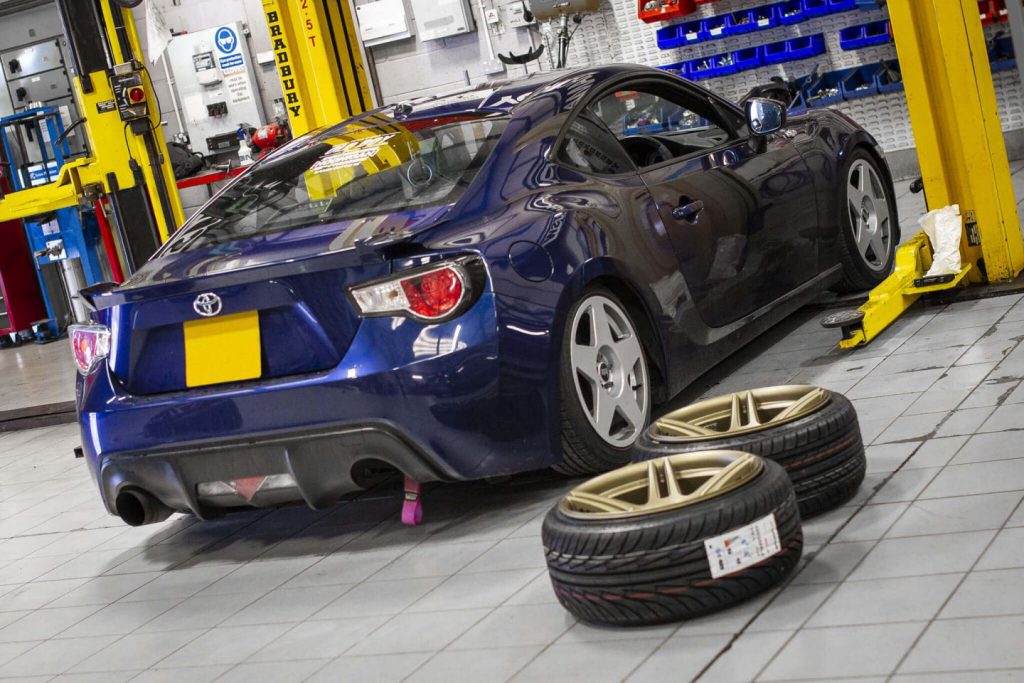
952, 102
128, 161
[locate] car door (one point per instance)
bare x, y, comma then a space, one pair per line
740, 213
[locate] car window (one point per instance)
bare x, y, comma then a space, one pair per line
657, 122
365, 168
590, 148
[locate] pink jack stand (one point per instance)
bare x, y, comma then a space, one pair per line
412, 508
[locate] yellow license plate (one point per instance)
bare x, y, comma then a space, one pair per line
223, 349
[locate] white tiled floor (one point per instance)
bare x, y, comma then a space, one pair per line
918, 579
36, 374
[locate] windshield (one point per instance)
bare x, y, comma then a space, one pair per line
366, 168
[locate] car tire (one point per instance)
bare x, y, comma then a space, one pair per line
821, 448
655, 568
599, 342
864, 264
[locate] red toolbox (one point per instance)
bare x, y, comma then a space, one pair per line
21, 304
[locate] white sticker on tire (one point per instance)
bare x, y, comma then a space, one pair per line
741, 548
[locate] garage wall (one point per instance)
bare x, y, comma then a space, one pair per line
194, 15
23, 28
413, 67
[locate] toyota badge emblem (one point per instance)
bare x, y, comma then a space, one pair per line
207, 305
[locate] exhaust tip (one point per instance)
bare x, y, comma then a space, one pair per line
136, 508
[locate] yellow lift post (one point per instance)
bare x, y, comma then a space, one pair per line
952, 102
319, 61
128, 161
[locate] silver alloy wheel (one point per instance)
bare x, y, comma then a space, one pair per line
609, 371
869, 215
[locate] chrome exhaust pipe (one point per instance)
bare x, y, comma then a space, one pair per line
136, 508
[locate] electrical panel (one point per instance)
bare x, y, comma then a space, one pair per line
37, 74
382, 21
216, 84
442, 18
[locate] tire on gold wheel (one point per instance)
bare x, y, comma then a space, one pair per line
812, 432
643, 544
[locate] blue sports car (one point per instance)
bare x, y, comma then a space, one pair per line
505, 281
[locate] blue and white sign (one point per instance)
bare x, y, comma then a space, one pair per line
226, 39
230, 61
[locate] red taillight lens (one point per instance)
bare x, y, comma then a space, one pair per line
428, 295
90, 344
434, 294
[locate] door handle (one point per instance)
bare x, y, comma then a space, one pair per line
688, 212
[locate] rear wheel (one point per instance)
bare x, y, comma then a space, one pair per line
868, 223
605, 385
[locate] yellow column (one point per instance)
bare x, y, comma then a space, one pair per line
319, 61
952, 102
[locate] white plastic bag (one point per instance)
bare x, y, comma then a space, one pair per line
944, 228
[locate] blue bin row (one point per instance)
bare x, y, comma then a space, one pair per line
864, 35
792, 50
849, 84
748, 20
877, 79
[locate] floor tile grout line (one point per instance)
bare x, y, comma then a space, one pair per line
874, 544
123, 636
945, 602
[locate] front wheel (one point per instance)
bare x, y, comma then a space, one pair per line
605, 385
869, 224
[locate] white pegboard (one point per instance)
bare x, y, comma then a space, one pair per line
614, 34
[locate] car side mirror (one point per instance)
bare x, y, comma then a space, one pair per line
765, 117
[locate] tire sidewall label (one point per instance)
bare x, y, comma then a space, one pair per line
744, 547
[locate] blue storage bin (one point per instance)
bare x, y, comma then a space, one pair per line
710, 67
1001, 56
815, 8
668, 37
699, 69
791, 12
805, 47
864, 35
714, 27
740, 22
775, 53
850, 38
859, 82
678, 68
747, 59
867, 4
765, 17
691, 33
837, 6
825, 91
886, 81
799, 105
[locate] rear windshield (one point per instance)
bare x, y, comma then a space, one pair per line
366, 168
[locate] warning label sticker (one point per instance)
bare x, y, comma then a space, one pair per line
741, 548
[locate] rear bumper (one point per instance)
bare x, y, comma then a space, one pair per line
462, 400
317, 468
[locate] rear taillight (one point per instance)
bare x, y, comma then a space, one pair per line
431, 294
90, 344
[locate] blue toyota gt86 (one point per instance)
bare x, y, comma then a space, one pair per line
507, 281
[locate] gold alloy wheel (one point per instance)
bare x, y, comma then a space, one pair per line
742, 412
662, 484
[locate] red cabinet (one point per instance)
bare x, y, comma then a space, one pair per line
21, 304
